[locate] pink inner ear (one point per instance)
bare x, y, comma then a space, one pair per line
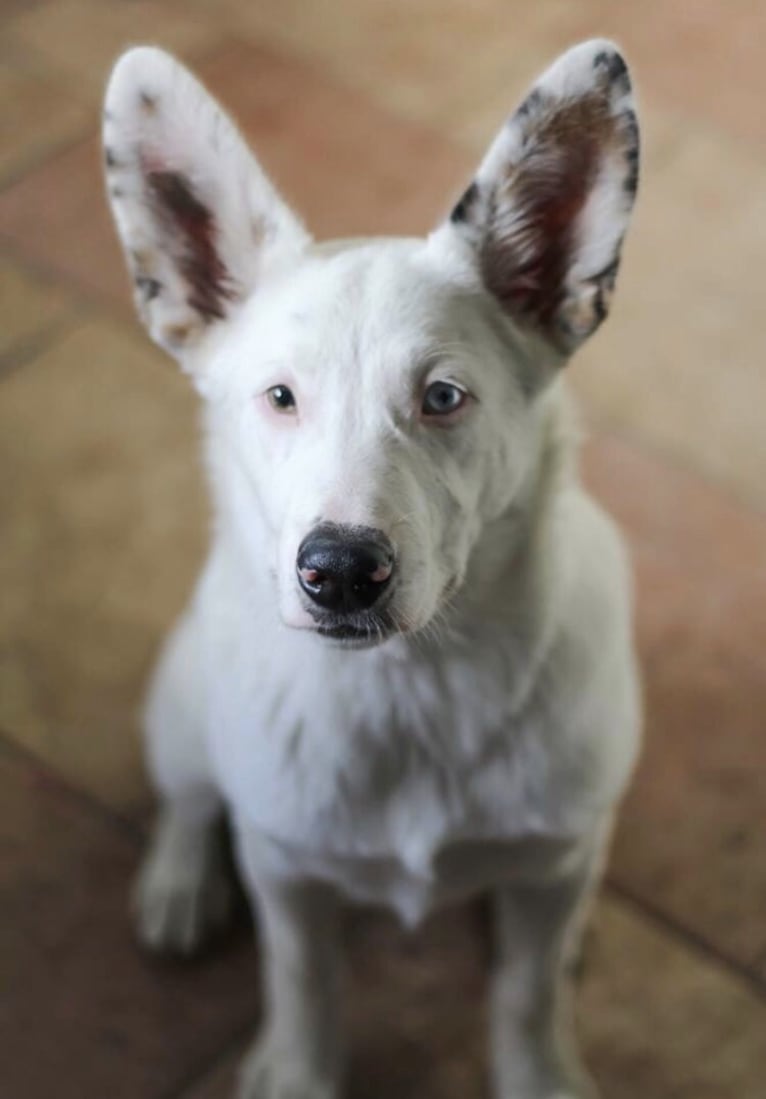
530, 243
191, 233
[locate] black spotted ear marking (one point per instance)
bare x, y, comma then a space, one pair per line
548, 209
613, 64
148, 102
632, 142
462, 210
148, 288
530, 105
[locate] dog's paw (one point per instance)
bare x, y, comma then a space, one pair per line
180, 903
265, 1074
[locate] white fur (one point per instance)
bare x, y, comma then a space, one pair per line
483, 746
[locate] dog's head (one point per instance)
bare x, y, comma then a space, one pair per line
373, 405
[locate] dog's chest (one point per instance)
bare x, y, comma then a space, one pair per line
371, 766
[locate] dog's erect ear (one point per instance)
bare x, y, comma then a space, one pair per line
198, 219
548, 208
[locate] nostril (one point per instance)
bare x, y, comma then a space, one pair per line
311, 576
382, 573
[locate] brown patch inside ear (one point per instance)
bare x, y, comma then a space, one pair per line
533, 217
185, 218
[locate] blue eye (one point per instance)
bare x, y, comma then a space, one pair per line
281, 398
442, 398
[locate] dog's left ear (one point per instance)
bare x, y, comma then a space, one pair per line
547, 211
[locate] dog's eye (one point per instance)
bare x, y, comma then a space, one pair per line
442, 398
281, 398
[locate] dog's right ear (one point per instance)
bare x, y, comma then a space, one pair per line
199, 221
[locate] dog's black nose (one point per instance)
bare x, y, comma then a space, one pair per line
345, 569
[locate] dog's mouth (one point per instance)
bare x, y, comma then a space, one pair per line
348, 637
357, 633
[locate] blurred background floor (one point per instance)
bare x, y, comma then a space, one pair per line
370, 114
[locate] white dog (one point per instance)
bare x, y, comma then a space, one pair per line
407, 670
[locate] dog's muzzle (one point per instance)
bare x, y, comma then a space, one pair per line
345, 572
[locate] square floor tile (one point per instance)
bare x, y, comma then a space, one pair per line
703, 60
103, 520
56, 219
460, 68
31, 307
431, 63
350, 167
658, 1018
80, 40
680, 360
84, 1012
690, 841
39, 114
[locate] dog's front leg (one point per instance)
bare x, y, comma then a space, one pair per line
538, 929
297, 1055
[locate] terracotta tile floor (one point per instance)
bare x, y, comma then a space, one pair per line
370, 120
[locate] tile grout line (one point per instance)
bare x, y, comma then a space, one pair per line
209, 1064
686, 935
37, 161
96, 808
86, 306
23, 351
83, 300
